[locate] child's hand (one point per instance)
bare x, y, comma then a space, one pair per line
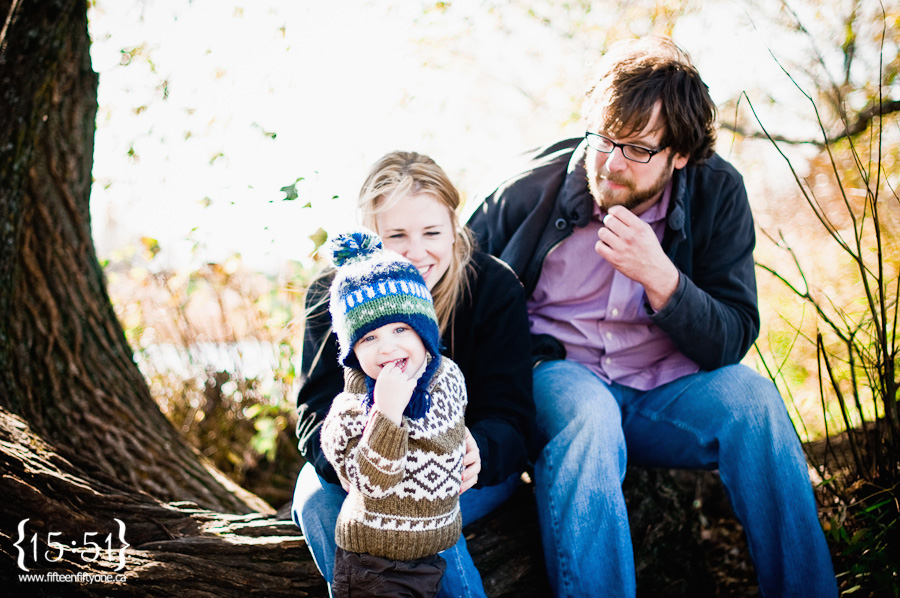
393, 390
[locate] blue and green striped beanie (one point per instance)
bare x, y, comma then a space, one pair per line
373, 287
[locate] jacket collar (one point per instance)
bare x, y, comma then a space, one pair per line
677, 212
575, 198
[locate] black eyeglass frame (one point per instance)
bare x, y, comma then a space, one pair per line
623, 146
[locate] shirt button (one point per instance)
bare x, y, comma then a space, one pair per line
607, 361
615, 312
609, 335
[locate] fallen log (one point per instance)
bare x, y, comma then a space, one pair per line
173, 549
676, 519
179, 549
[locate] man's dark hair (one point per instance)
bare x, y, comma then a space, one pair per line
633, 76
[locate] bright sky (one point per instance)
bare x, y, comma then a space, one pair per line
260, 94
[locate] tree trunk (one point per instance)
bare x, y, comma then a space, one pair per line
67, 368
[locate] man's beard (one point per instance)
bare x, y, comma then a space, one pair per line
629, 197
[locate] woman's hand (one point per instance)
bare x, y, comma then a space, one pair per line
471, 463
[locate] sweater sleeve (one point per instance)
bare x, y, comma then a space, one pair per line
381, 458
368, 452
340, 434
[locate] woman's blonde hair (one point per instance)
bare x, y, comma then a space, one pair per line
398, 174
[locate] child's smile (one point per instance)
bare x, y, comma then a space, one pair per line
400, 363
394, 344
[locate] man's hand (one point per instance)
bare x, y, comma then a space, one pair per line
471, 463
631, 247
393, 390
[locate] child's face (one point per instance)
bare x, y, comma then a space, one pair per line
392, 342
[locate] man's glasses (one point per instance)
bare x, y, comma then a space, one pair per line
635, 153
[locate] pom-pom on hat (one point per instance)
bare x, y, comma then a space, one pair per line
373, 287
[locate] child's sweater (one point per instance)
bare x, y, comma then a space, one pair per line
404, 481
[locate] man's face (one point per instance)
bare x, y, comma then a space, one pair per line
615, 180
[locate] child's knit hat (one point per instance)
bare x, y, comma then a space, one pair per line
373, 287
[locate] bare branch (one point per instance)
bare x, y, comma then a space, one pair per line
861, 123
864, 119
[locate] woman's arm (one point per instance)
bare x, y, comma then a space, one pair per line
492, 346
321, 375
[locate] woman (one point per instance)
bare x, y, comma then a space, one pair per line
410, 202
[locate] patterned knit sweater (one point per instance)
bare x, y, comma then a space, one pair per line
404, 480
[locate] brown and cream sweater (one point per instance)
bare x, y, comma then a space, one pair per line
404, 481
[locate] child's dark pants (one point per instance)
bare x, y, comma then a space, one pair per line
361, 575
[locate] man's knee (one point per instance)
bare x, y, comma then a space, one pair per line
588, 436
758, 406
571, 399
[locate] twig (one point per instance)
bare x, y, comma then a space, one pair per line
861, 471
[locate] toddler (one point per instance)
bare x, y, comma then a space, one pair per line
396, 434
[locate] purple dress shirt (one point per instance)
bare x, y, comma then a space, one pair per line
598, 314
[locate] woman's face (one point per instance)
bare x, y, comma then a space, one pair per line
418, 227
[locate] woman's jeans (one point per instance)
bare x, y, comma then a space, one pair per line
317, 504
730, 419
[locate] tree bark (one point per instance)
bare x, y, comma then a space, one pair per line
176, 549
67, 368
180, 549
674, 517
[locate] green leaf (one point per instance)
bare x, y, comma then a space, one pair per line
319, 237
290, 191
877, 506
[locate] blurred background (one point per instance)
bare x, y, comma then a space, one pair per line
232, 138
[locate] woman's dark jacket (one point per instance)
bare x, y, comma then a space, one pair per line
712, 318
488, 339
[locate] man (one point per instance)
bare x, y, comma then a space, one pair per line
635, 247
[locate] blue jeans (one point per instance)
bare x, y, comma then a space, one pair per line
730, 419
317, 504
